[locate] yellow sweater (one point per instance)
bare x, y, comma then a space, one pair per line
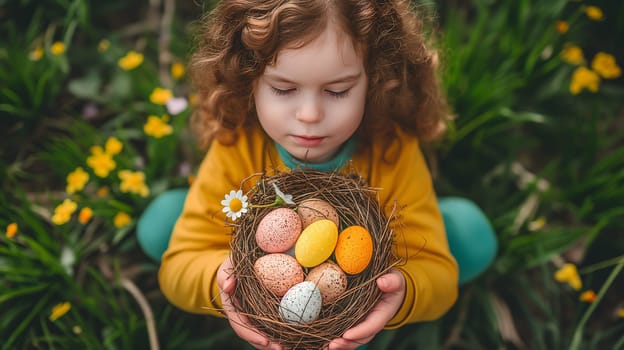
200, 239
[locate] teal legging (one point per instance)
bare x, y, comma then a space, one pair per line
471, 238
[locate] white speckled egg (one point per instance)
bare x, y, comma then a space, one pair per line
302, 303
278, 272
314, 209
330, 280
278, 230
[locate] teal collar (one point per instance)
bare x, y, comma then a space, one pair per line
344, 154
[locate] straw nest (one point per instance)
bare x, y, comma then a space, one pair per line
356, 204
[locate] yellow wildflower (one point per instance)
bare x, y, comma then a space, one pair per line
620, 312
76, 180
604, 64
102, 192
157, 127
537, 224
76, 329
593, 12
36, 54
177, 70
562, 26
11, 230
588, 296
133, 182
113, 146
59, 310
58, 48
85, 215
584, 78
101, 162
121, 219
572, 54
103, 45
64, 211
131, 60
568, 274
160, 96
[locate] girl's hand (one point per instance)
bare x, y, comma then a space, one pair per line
392, 285
240, 323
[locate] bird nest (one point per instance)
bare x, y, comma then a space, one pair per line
356, 204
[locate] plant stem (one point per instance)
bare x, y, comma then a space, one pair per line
578, 332
601, 265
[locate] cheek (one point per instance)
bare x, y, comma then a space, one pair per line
262, 100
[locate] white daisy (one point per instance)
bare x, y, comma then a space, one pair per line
235, 204
286, 198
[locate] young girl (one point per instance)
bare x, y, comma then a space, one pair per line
315, 83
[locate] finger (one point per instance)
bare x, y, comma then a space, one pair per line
391, 282
240, 324
344, 344
223, 271
393, 286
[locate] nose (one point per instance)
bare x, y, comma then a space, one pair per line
310, 110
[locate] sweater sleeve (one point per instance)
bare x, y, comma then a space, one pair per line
200, 238
430, 271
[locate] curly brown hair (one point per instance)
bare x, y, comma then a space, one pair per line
239, 38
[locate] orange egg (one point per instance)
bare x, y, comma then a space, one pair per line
354, 249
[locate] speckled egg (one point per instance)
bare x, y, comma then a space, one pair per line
301, 304
354, 249
278, 272
278, 230
330, 280
316, 243
314, 209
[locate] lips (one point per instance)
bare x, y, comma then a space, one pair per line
308, 141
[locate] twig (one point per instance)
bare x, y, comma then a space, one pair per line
455, 334
140, 299
164, 56
145, 308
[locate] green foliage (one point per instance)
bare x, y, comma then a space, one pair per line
546, 166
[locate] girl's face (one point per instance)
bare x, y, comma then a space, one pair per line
312, 99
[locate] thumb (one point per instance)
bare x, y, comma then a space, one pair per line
391, 282
225, 276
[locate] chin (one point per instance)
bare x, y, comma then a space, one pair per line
308, 157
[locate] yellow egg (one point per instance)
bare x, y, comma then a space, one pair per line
354, 249
316, 243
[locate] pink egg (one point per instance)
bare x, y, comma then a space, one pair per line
278, 272
278, 230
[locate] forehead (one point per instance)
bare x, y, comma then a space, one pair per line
330, 51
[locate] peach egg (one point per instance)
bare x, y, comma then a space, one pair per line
314, 209
278, 230
278, 272
354, 249
330, 280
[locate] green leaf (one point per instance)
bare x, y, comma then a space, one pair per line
87, 87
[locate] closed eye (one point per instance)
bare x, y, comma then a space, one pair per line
281, 92
338, 94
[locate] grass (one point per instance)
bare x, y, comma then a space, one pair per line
546, 165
